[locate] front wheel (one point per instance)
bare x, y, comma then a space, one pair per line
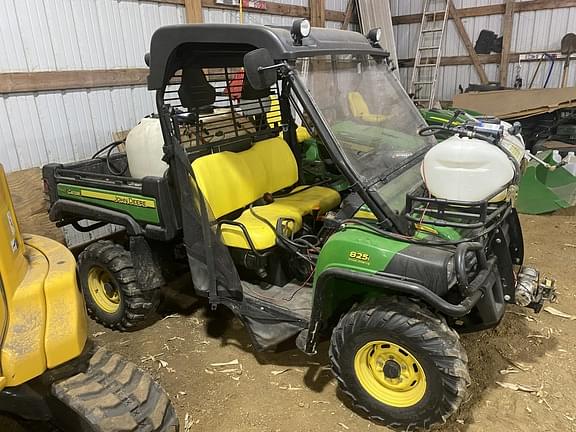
399, 363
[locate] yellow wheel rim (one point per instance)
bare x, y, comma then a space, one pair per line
390, 374
103, 290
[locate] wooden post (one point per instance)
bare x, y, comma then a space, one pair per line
348, 14
317, 13
507, 23
194, 11
468, 43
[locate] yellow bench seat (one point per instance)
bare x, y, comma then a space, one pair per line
292, 207
232, 181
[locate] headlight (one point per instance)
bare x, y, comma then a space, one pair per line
450, 272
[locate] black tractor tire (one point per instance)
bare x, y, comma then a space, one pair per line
412, 329
114, 395
134, 305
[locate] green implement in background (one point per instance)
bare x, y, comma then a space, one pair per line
545, 191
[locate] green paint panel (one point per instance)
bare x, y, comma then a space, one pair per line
355, 250
140, 207
351, 133
358, 249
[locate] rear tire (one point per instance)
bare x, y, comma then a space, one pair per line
399, 363
111, 290
114, 395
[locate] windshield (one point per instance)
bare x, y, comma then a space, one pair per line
369, 113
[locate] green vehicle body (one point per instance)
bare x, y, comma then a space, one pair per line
350, 249
141, 208
381, 245
359, 250
152, 211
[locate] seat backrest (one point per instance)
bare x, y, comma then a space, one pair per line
195, 91
357, 104
230, 181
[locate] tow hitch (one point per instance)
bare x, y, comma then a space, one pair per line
532, 292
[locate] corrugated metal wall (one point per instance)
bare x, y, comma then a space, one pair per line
539, 31
40, 35
104, 34
55, 35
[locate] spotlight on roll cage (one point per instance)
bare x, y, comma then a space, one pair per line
300, 30
374, 35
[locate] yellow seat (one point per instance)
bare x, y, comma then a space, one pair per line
273, 117
308, 199
232, 181
302, 134
359, 109
291, 208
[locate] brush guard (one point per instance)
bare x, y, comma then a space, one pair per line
456, 214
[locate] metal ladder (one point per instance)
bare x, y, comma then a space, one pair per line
429, 53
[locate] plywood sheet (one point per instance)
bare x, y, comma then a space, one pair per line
507, 104
31, 208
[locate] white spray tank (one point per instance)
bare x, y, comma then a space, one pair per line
144, 149
471, 169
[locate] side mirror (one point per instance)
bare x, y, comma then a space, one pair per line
260, 69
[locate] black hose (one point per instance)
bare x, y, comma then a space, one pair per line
106, 147
109, 164
550, 70
109, 148
292, 245
305, 188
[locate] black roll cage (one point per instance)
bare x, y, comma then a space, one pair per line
291, 81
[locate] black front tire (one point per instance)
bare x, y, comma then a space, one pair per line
135, 304
417, 331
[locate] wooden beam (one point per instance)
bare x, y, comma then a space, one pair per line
348, 14
499, 9
483, 59
332, 15
194, 11
177, 2
467, 43
507, 23
317, 13
25, 82
453, 60
272, 8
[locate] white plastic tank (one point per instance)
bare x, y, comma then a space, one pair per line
570, 163
465, 169
144, 149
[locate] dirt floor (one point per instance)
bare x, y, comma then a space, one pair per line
288, 391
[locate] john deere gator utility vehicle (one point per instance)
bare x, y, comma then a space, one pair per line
365, 252
51, 376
